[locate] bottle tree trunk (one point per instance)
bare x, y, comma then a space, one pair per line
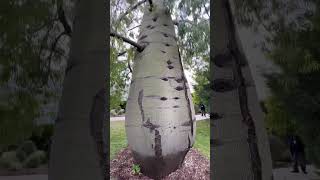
160, 120
78, 146
239, 140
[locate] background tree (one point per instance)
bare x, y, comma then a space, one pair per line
32, 52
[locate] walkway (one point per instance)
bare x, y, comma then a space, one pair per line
198, 117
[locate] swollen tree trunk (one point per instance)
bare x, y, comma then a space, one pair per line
78, 147
160, 120
239, 140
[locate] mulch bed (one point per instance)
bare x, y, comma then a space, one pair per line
194, 167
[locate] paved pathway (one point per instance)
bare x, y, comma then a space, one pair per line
198, 117
279, 174
285, 174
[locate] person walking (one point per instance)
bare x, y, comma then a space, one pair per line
203, 109
298, 154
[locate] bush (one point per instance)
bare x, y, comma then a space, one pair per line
9, 160
35, 159
21, 155
28, 147
42, 136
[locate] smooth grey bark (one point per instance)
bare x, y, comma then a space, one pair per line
78, 149
239, 142
160, 121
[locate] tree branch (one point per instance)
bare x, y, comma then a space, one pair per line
64, 22
122, 53
177, 22
127, 40
129, 10
134, 27
129, 66
151, 5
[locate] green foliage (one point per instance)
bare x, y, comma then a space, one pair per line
296, 89
35, 159
10, 161
279, 121
201, 89
28, 32
136, 169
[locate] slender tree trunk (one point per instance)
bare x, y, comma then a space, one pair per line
78, 147
160, 120
239, 140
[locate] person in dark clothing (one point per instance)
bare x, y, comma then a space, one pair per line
203, 110
298, 154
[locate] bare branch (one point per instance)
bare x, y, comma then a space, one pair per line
151, 5
64, 22
129, 10
177, 22
129, 66
127, 40
122, 53
134, 27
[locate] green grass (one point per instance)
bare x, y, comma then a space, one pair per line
118, 139
203, 137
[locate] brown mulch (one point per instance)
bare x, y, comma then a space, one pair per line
194, 167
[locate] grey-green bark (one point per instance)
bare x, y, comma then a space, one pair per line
79, 148
239, 139
160, 121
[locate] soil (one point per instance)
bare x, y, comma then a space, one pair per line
194, 167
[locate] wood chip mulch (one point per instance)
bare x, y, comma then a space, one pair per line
194, 167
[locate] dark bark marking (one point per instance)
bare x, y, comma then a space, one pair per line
97, 127
70, 66
165, 24
142, 37
223, 85
215, 116
222, 60
163, 51
157, 142
176, 98
189, 142
165, 35
187, 123
155, 18
179, 88
239, 60
166, 44
150, 126
186, 94
169, 62
176, 106
152, 27
164, 79
163, 98
140, 98
170, 67
174, 127
180, 80
148, 26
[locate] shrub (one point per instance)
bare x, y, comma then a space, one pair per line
35, 159
21, 155
10, 161
28, 147
135, 169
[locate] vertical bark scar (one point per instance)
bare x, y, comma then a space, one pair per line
157, 142
97, 128
140, 98
243, 98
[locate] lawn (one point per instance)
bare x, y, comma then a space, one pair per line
118, 138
